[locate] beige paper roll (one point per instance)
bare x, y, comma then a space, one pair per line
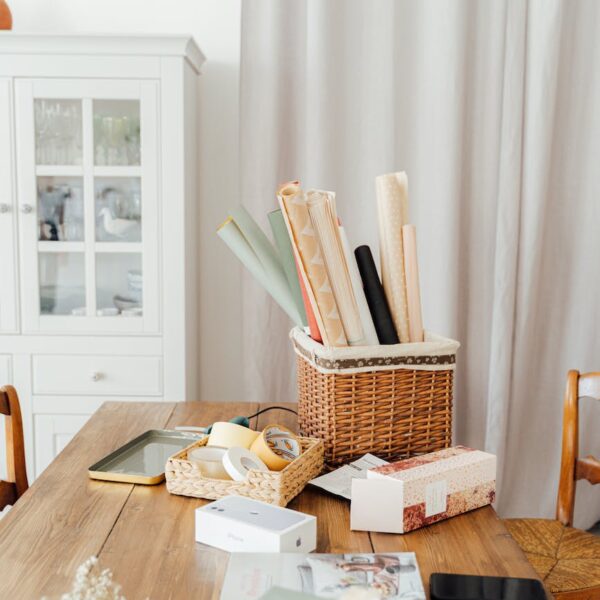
392, 211
276, 446
229, 435
413, 293
321, 208
293, 203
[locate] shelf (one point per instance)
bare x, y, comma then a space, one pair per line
135, 171
106, 247
59, 171
61, 246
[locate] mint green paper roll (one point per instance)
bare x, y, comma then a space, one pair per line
286, 255
276, 285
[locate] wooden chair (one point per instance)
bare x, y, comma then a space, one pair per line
567, 559
15, 487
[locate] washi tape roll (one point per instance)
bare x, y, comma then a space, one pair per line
238, 461
230, 435
209, 459
277, 446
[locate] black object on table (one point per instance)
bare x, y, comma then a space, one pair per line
446, 586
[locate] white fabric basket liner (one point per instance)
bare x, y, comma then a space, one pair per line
436, 353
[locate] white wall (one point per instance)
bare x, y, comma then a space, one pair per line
215, 24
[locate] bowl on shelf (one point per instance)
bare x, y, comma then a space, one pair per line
123, 303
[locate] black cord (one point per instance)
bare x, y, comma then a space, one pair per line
260, 412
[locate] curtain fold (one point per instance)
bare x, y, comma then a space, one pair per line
493, 109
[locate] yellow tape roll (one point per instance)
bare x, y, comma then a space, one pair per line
276, 446
230, 435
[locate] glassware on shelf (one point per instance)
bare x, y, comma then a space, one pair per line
62, 283
118, 209
60, 209
119, 284
58, 132
116, 132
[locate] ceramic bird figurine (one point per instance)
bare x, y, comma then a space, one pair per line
115, 226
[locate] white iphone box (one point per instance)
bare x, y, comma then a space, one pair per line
238, 524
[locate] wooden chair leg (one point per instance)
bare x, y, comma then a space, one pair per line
570, 448
17, 470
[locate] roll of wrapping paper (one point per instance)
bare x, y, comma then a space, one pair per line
321, 208
392, 211
315, 323
293, 204
359, 293
286, 256
275, 285
382, 318
413, 293
276, 446
313, 327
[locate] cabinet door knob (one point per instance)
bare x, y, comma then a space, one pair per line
4, 208
97, 376
26, 209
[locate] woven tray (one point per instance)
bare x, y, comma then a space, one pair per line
275, 487
393, 401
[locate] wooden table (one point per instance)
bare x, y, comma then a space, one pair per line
146, 536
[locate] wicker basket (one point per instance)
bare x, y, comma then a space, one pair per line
276, 487
392, 401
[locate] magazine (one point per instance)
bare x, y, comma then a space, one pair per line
393, 575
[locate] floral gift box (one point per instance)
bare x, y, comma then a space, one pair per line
412, 493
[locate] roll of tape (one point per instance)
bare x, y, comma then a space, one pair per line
230, 435
209, 459
238, 461
277, 446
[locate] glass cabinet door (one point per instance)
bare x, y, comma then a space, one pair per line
89, 223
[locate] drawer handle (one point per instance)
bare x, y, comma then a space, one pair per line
4, 208
97, 376
26, 209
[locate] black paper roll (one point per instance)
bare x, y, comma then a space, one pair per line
380, 311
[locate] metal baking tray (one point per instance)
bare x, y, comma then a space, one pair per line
143, 459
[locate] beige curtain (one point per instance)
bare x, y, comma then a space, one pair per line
493, 109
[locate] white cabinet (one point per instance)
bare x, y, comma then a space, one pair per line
97, 226
52, 434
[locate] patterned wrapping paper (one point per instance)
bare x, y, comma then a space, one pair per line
455, 480
293, 203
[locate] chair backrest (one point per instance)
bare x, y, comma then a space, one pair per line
573, 468
16, 485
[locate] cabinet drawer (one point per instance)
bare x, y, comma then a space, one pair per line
97, 375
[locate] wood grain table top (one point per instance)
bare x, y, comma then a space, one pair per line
146, 535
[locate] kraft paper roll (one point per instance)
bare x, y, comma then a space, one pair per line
382, 319
273, 281
295, 209
392, 212
238, 461
286, 256
277, 446
413, 293
359, 293
209, 460
229, 435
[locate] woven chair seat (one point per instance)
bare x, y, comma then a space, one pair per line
566, 559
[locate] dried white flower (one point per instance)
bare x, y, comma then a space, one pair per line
88, 585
